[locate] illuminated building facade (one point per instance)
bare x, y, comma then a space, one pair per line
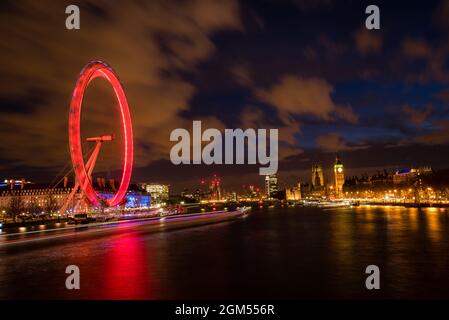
294, 193
34, 198
339, 177
317, 187
158, 192
271, 185
409, 175
317, 176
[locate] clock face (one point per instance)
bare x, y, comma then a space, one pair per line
340, 169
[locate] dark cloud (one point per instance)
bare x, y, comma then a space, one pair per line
305, 96
443, 95
368, 41
418, 116
242, 75
416, 48
309, 5
439, 136
148, 43
334, 142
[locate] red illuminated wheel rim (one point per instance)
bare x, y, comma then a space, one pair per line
91, 71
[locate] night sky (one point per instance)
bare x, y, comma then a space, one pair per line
379, 98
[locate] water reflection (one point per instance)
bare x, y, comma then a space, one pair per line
126, 270
274, 253
433, 224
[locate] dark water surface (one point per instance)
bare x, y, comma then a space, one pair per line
284, 253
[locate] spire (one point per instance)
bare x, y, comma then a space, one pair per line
337, 159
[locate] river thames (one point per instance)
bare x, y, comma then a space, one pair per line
277, 253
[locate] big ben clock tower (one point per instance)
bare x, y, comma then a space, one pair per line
339, 177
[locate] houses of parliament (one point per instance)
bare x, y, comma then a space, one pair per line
318, 187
